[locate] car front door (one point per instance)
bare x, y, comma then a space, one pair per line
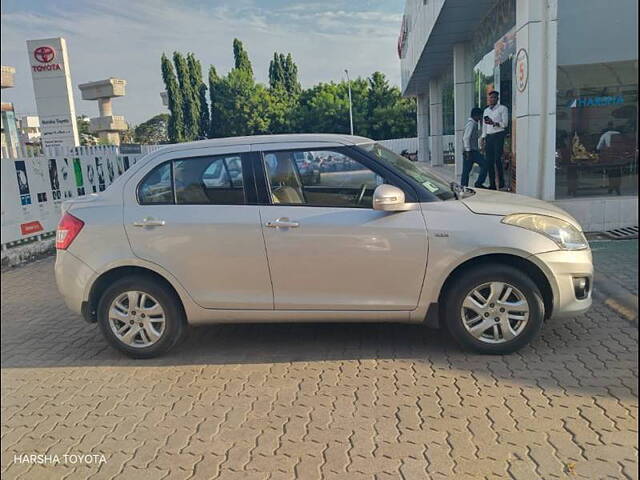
328, 249
196, 217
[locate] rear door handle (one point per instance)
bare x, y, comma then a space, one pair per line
149, 222
282, 223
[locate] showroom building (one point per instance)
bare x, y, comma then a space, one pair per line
568, 72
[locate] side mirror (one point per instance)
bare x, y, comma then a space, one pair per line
391, 199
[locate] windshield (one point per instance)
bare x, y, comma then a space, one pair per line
420, 174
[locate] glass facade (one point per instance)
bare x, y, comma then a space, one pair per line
448, 125
483, 78
597, 130
597, 99
494, 71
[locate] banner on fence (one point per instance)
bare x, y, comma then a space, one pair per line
34, 187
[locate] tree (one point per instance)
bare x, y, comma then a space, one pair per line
215, 125
388, 114
241, 58
240, 106
359, 96
86, 137
397, 120
205, 120
281, 111
189, 107
380, 94
199, 91
291, 83
276, 72
175, 126
323, 108
283, 74
379, 110
127, 136
153, 131
284, 91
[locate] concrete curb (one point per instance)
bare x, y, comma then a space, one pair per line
623, 303
17, 256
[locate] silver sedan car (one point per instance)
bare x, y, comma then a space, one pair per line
228, 230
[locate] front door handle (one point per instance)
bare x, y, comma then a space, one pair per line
282, 223
149, 222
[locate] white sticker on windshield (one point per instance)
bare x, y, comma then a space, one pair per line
431, 187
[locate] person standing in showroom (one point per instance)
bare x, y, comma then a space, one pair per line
471, 154
494, 130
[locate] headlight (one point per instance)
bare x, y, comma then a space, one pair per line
563, 233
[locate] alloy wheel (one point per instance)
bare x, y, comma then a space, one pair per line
495, 312
137, 319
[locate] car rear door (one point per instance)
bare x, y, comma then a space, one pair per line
328, 249
194, 214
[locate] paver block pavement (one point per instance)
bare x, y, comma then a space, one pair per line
314, 401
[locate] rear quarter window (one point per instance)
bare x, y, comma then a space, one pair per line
157, 187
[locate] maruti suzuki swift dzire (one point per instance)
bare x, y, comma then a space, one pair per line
313, 228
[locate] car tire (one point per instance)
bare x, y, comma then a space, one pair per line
114, 300
484, 277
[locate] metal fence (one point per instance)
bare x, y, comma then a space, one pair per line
34, 185
398, 145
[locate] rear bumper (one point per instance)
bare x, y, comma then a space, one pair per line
72, 278
561, 268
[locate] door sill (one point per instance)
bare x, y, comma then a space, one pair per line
301, 316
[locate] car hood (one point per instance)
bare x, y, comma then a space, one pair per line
491, 202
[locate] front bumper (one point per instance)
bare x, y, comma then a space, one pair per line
72, 277
561, 268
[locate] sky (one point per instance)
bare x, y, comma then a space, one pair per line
125, 39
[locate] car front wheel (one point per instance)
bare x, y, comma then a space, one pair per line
140, 317
494, 309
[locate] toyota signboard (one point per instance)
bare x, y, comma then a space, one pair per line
53, 91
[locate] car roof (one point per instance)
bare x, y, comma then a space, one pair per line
334, 139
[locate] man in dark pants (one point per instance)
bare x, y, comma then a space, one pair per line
471, 153
494, 130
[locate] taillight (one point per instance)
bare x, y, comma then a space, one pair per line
68, 229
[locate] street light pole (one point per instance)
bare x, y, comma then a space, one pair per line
350, 103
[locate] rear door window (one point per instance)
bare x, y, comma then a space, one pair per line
213, 180
209, 180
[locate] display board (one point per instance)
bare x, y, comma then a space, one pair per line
53, 91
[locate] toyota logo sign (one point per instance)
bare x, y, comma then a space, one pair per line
44, 54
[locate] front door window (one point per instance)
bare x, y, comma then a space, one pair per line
320, 178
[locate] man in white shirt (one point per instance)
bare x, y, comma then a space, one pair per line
471, 154
494, 130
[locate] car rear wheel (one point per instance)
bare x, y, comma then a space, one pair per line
494, 309
140, 317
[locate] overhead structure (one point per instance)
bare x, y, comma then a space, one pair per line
107, 126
